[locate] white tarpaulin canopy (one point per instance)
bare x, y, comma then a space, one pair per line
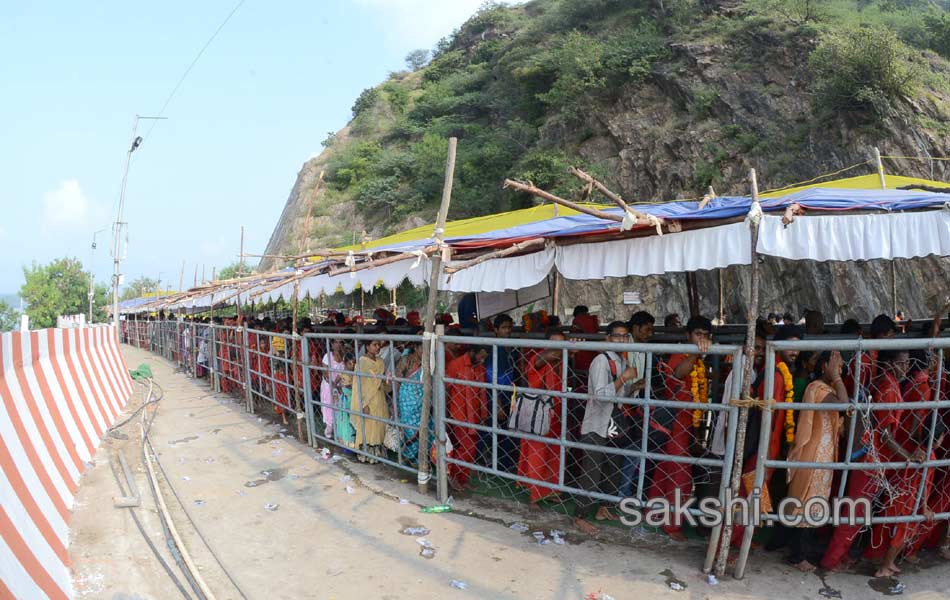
857, 237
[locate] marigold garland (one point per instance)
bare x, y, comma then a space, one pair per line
700, 388
789, 397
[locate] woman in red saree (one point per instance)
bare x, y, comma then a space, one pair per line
670, 476
540, 460
912, 435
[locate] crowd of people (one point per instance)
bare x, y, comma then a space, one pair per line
362, 388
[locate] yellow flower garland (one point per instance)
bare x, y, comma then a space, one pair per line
700, 388
789, 397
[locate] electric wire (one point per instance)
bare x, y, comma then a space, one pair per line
192, 66
148, 540
194, 525
169, 541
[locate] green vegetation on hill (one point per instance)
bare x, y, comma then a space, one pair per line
524, 87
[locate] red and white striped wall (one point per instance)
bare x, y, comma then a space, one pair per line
60, 389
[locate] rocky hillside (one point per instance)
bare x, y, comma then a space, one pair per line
661, 99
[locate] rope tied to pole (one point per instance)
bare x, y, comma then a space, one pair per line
752, 403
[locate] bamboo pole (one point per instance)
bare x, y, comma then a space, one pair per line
379, 263
535, 191
241, 263
196, 276
642, 218
519, 247
879, 164
429, 320
747, 372
181, 276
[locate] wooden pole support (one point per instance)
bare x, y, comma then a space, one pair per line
747, 372
429, 319
519, 247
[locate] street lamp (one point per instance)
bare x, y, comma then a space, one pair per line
92, 275
117, 226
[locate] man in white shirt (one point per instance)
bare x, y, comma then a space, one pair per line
609, 377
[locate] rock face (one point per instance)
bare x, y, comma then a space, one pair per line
705, 117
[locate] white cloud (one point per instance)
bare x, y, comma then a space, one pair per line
67, 207
420, 23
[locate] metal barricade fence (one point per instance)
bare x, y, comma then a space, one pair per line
873, 453
171, 345
271, 372
201, 352
649, 445
228, 359
364, 393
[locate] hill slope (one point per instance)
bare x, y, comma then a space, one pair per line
660, 98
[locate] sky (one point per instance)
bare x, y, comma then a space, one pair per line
277, 78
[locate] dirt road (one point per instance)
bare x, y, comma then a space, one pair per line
286, 524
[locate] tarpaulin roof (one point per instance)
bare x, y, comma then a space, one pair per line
715, 245
852, 193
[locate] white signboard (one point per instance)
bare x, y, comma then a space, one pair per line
631, 298
490, 304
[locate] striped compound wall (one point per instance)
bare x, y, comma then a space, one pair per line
60, 390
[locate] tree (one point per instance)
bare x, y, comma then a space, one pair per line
417, 59
795, 12
365, 101
9, 317
138, 288
59, 288
231, 271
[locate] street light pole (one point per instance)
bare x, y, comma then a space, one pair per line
92, 273
117, 226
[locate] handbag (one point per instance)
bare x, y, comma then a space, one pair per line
531, 414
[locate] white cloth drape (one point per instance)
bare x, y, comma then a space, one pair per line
857, 237
500, 274
695, 250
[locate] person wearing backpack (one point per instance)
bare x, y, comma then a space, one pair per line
609, 378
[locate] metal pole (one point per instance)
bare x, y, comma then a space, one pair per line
755, 216
933, 428
441, 467
429, 317
117, 227
248, 390
307, 393
294, 358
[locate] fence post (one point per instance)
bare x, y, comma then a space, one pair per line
307, 392
215, 380
438, 386
933, 429
762, 455
852, 422
248, 390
